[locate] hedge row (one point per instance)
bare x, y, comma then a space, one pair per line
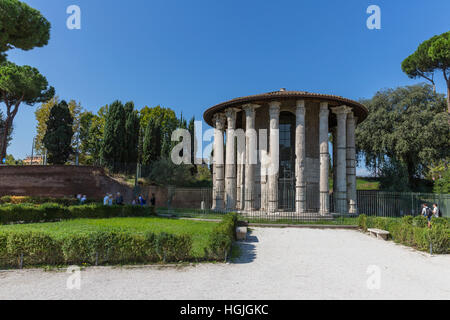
413, 231
42, 200
20, 248
95, 248
28, 213
222, 237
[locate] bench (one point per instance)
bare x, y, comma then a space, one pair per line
241, 233
383, 234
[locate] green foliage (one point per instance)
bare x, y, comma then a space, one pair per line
362, 222
152, 143
112, 150
442, 184
30, 213
98, 247
21, 27
20, 84
165, 172
59, 133
406, 129
222, 237
432, 55
132, 128
167, 122
41, 200
413, 231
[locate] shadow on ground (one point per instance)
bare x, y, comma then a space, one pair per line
248, 249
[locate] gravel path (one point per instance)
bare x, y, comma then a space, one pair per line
276, 264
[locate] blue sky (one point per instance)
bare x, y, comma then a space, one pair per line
189, 55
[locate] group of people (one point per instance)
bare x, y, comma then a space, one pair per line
429, 214
140, 200
81, 198
109, 200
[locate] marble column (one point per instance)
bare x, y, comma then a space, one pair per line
341, 150
240, 173
219, 181
300, 158
324, 159
351, 164
251, 156
274, 149
334, 135
230, 162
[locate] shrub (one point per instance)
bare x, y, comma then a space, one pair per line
41, 200
171, 248
439, 237
102, 247
48, 212
222, 237
362, 222
37, 248
420, 221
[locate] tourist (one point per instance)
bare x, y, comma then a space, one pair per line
110, 199
119, 199
106, 200
153, 200
427, 213
79, 197
436, 211
142, 201
83, 199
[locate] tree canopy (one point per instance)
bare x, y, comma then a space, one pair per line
431, 56
42, 114
21, 27
406, 125
58, 135
20, 84
112, 150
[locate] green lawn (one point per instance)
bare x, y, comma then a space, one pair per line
199, 230
362, 184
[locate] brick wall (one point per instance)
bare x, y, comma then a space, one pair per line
59, 181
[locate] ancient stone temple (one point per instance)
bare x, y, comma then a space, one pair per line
271, 153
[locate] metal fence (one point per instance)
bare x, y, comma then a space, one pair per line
373, 203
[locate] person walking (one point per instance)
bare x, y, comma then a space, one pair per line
119, 199
106, 200
427, 213
436, 211
110, 199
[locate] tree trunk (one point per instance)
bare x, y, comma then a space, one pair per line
448, 99
4, 140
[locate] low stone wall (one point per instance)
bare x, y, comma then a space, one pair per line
60, 181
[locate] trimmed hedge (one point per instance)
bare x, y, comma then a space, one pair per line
41, 200
413, 231
222, 237
49, 212
95, 248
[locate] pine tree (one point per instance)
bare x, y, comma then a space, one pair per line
113, 144
58, 136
